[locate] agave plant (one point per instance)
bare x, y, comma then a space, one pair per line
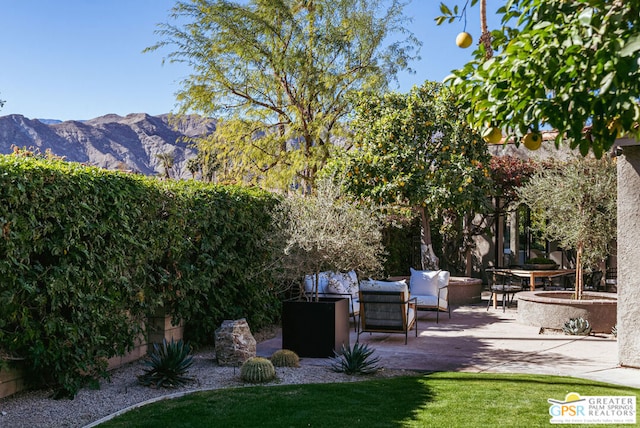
167, 365
356, 360
577, 327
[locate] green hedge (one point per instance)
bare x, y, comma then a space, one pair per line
87, 253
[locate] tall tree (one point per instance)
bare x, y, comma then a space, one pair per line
416, 150
277, 72
570, 65
167, 160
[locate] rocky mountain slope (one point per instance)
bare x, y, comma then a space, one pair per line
113, 142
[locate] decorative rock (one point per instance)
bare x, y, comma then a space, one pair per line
234, 343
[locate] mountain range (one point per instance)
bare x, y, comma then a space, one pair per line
130, 143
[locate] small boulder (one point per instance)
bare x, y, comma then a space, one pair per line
234, 343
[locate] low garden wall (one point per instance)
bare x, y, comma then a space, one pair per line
552, 309
12, 375
464, 290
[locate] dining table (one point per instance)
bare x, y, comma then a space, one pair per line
532, 274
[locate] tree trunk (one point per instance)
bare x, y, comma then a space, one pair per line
428, 258
485, 36
579, 275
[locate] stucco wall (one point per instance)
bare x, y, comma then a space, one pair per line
629, 256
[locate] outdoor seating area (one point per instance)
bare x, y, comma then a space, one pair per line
426, 291
475, 340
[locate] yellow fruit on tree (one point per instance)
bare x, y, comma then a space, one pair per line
492, 135
464, 40
533, 140
616, 126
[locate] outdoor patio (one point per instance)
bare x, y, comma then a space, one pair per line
479, 340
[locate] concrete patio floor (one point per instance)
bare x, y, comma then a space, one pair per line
476, 340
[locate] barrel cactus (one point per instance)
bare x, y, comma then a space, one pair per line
577, 327
257, 370
285, 358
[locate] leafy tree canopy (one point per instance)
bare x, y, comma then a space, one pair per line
277, 72
559, 64
417, 150
325, 231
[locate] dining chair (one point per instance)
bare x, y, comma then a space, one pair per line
504, 284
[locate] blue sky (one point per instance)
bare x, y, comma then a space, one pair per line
80, 59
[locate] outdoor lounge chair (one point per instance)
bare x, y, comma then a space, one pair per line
385, 307
431, 289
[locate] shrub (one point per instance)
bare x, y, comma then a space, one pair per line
86, 254
285, 358
167, 365
257, 370
356, 360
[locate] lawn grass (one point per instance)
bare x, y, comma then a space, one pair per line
439, 400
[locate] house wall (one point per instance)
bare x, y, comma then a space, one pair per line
628, 165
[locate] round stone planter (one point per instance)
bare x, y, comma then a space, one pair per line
464, 290
552, 309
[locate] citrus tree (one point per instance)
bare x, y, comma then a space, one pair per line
573, 66
276, 73
578, 208
416, 150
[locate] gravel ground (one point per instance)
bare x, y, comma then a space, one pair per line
35, 409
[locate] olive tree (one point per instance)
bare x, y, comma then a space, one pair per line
326, 231
577, 202
276, 73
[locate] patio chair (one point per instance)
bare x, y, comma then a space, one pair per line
505, 284
431, 288
385, 307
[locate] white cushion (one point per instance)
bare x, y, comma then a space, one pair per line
384, 285
424, 282
323, 281
342, 283
430, 301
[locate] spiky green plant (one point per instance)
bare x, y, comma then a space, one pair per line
257, 370
356, 360
167, 365
577, 327
285, 358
